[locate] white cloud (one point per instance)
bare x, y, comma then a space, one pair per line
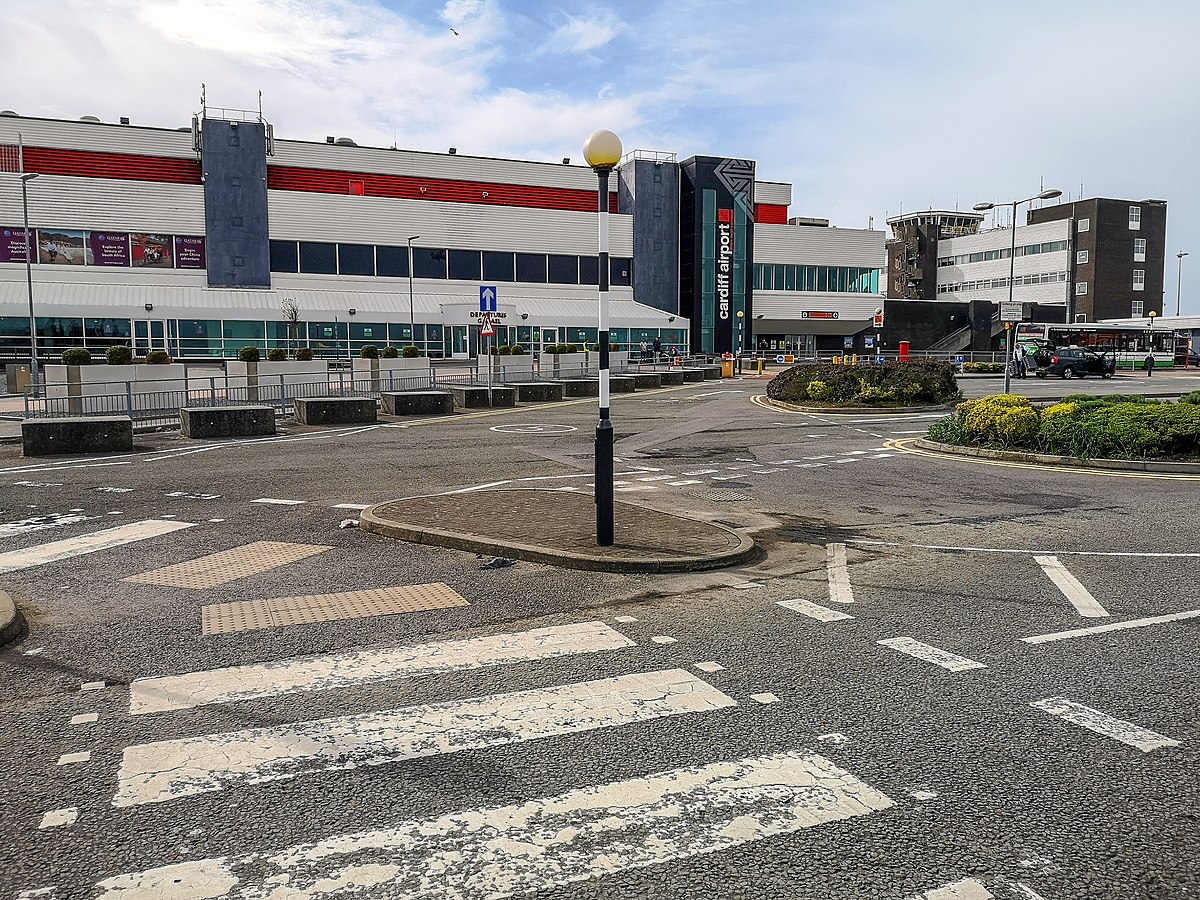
582, 35
457, 12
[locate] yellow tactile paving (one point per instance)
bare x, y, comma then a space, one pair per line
252, 615
229, 565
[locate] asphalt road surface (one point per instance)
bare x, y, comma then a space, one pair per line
944, 679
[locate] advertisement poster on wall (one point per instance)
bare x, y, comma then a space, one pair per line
107, 249
12, 245
189, 253
62, 247
151, 250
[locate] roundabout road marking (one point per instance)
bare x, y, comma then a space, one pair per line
534, 429
905, 446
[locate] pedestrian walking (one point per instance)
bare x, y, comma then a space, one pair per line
1022, 367
1148, 363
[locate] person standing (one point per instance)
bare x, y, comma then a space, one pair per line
644, 348
657, 349
1148, 363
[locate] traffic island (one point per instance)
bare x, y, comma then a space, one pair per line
77, 434
558, 528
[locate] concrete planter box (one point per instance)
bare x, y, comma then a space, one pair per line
647, 379
673, 377
226, 421
147, 384
618, 360
563, 365
397, 374
77, 434
690, 375
538, 391
294, 371
581, 387
335, 410
711, 372
507, 368
417, 403
622, 384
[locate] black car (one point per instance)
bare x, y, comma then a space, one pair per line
1076, 362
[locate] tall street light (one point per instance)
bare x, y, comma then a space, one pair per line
602, 150
412, 319
1179, 278
27, 177
1012, 266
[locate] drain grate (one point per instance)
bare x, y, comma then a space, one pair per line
725, 495
229, 565
254, 615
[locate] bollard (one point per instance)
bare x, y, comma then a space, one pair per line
212, 390
282, 408
855, 363
129, 399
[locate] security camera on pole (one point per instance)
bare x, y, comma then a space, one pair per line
602, 150
1009, 324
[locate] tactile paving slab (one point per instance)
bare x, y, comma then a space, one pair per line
252, 615
229, 565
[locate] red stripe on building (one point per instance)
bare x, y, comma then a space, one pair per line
124, 166
770, 214
406, 187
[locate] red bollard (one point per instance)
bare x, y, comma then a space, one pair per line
904, 349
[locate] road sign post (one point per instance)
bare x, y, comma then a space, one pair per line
488, 295
486, 330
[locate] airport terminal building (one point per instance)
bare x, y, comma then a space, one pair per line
194, 240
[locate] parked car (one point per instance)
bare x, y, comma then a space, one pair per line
1076, 362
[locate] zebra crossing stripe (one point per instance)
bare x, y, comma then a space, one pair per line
1093, 720
518, 849
330, 671
15, 560
165, 770
838, 573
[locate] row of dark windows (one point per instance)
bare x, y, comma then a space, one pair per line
315, 258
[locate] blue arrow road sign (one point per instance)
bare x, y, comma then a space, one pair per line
487, 297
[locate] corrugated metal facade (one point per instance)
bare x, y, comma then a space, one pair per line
807, 245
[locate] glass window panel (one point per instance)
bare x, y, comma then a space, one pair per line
369, 332
564, 269
789, 278
250, 331
356, 259
429, 262
399, 334
589, 270
709, 199
391, 262
531, 268
284, 257
498, 266
622, 270
465, 265
777, 276
822, 278
318, 258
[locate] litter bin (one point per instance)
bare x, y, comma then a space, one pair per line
726, 368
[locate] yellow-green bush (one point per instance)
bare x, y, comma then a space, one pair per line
1059, 410
819, 390
1004, 418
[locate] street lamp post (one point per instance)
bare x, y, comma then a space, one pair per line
27, 177
412, 319
741, 343
1179, 279
602, 150
1012, 267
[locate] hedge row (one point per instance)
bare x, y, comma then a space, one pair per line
981, 368
893, 383
118, 355
1118, 427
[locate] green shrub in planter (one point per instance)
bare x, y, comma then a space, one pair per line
891, 384
570, 348
304, 354
390, 352
76, 356
368, 351
593, 347
158, 358
504, 350
249, 354
118, 355
410, 352
518, 350
276, 354
1193, 398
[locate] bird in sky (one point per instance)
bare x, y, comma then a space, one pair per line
455, 33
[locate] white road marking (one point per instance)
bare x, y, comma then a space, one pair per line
625, 619
41, 523
92, 686
152, 773
37, 651
279, 502
1111, 626
710, 667
1085, 604
1094, 720
38, 483
765, 471
358, 506
55, 551
813, 611
663, 639
528, 847
838, 574
57, 818
745, 585
967, 889
702, 472
923, 795
938, 657
685, 481
764, 698
67, 758
84, 718
656, 478
1134, 553
834, 738
114, 490
330, 671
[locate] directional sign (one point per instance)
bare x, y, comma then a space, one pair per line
485, 326
487, 297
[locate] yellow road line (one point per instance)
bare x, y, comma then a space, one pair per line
904, 446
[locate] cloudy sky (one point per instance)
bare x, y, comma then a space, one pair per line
865, 106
